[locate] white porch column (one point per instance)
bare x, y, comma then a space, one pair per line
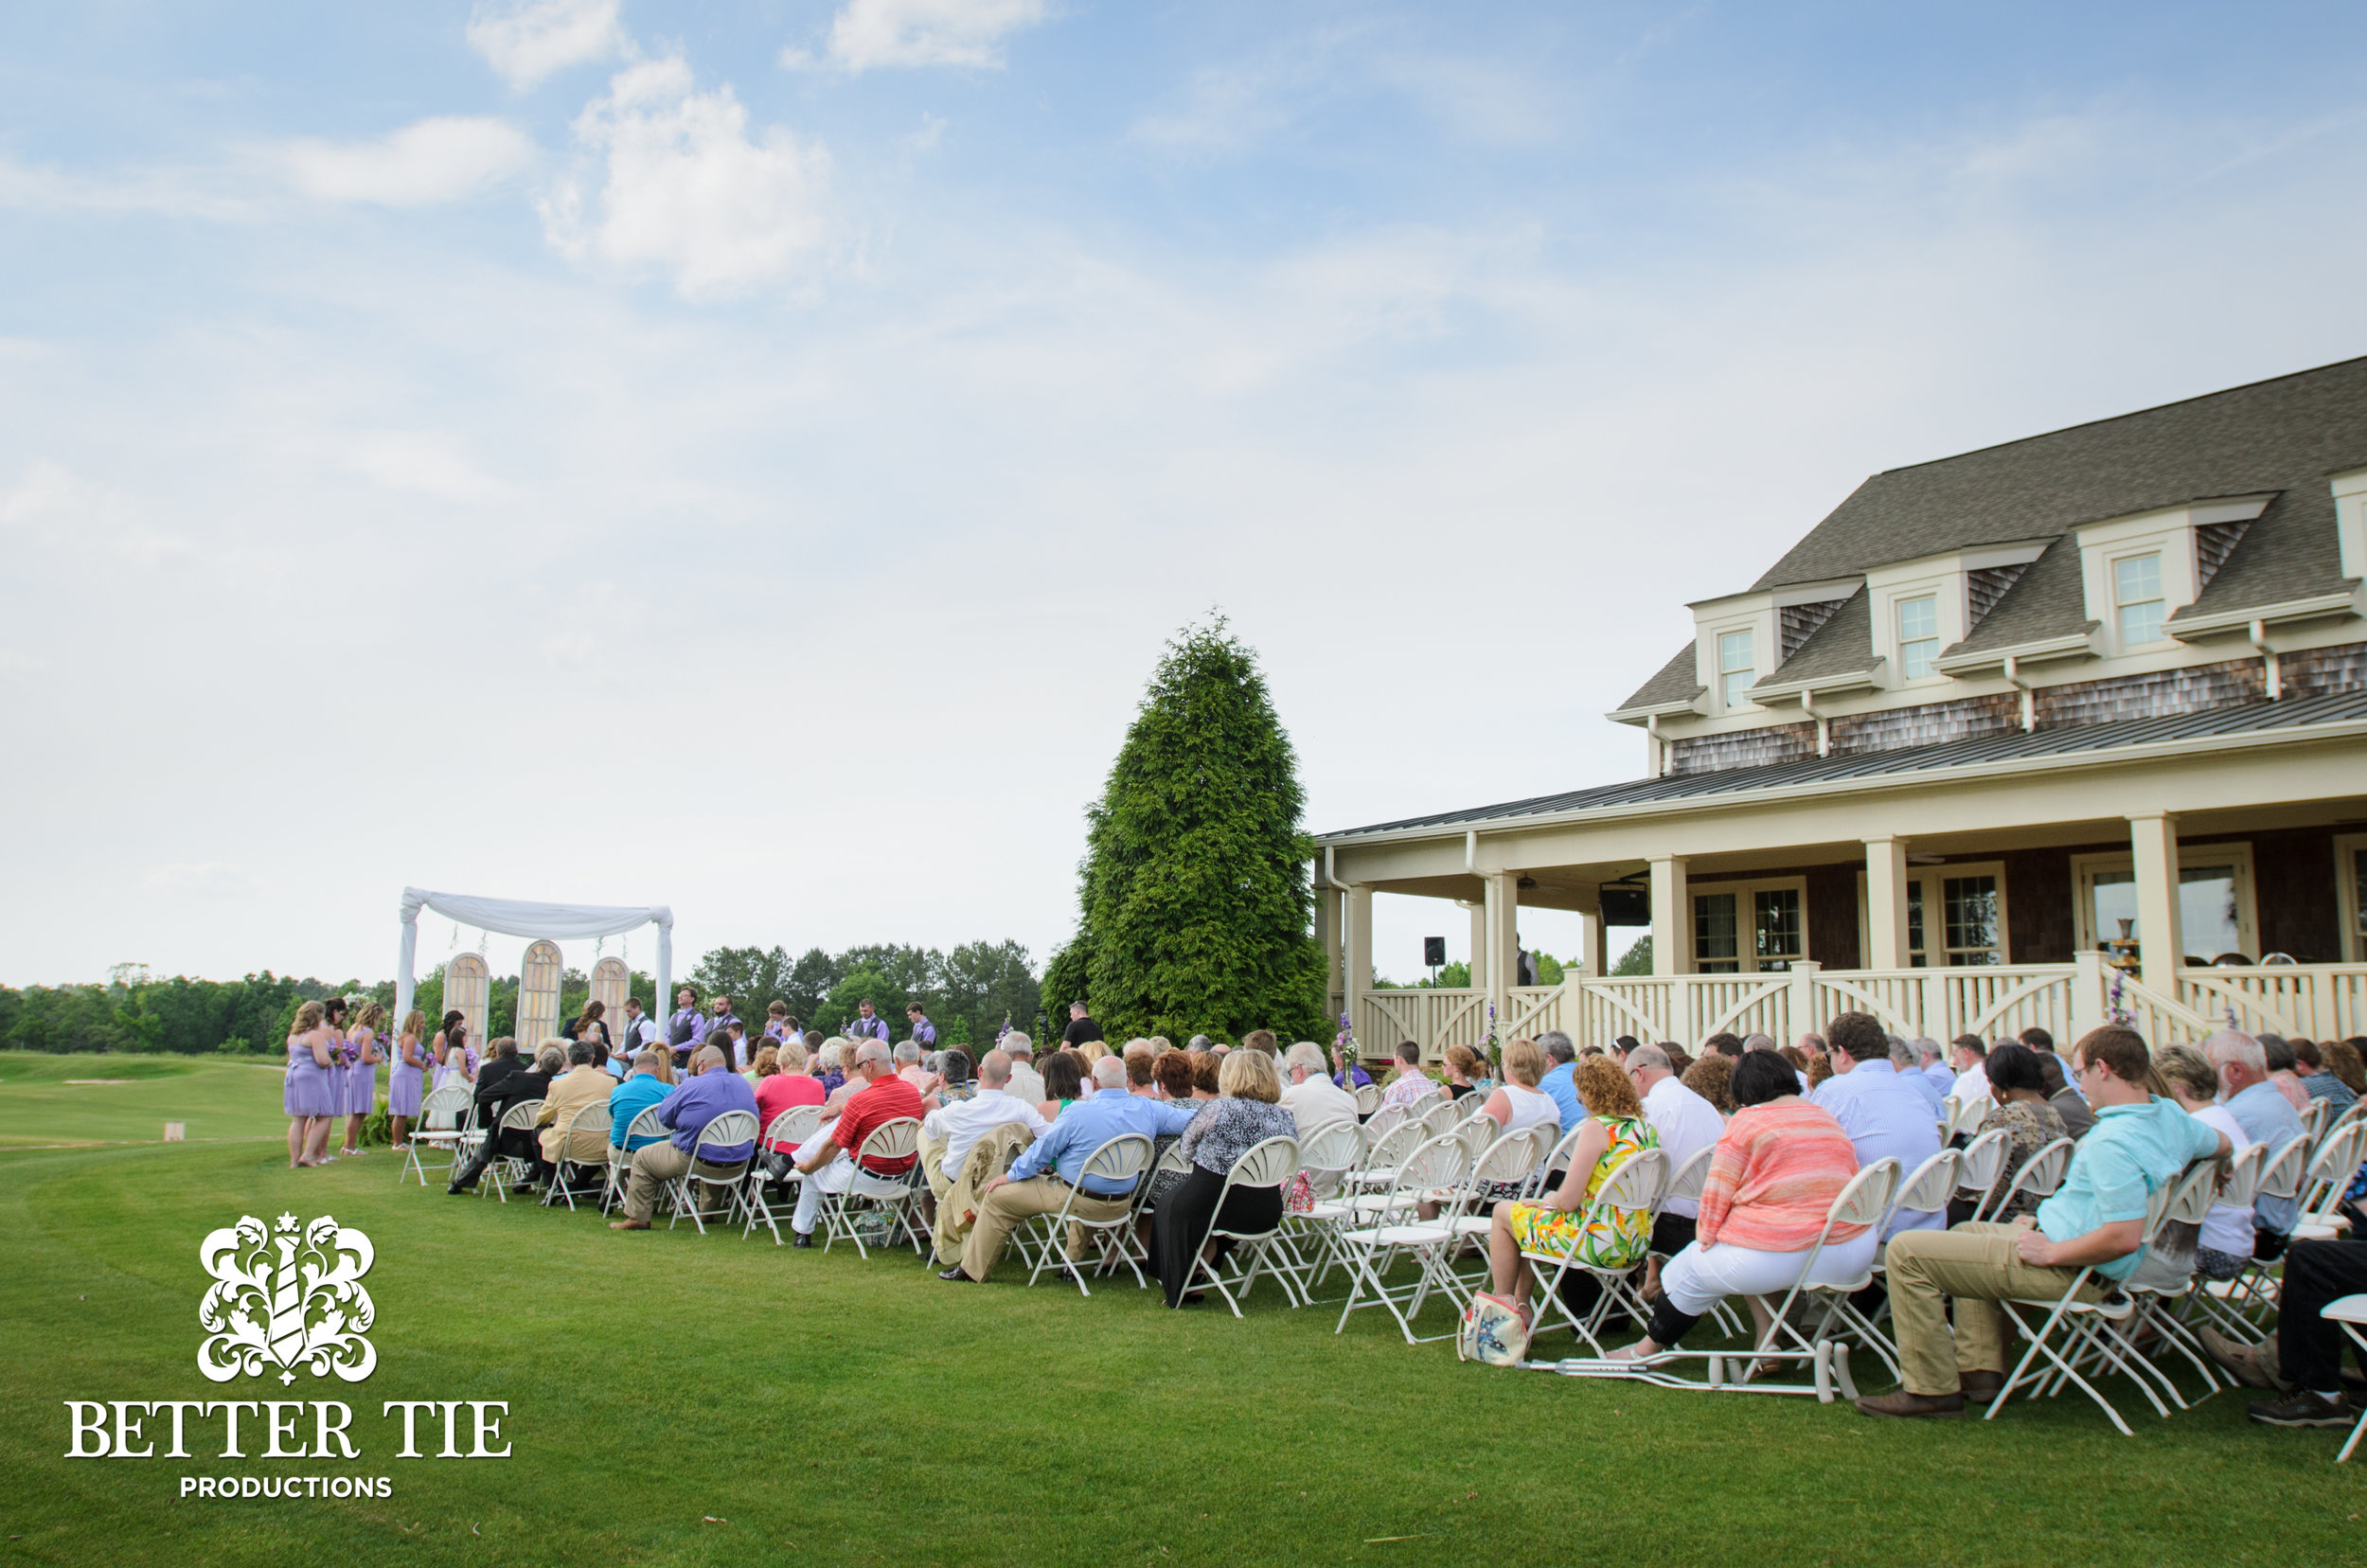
1672, 917
1598, 950
1327, 931
1886, 903
1590, 944
1502, 907
2153, 845
1359, 949
1478, 912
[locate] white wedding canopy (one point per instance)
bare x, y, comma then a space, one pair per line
520, 917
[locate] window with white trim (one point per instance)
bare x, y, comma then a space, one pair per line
1918, 636
1743, 928
1964, 901
1736, 667
2136, 599
2350, 882
2215, 910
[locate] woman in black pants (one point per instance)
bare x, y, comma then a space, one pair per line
1244, 1115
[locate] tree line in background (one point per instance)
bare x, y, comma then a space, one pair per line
968, 992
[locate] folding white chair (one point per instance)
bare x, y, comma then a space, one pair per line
1379, 1169
2242, 1307
1634, 1187
1966, 1119
2317, 1117
1043, 1243
1382, 1121
2331, 1168
1439, 1117
1268, 1164
1980, 1162
586, 1120
2039, 1176
1309, 1241
445, 1115
1367, 1099
789, 1129
890, 1140
2072, 1333
727, 1130
1926, 1190
2196, 1191
504, 1171
1511, 1160
640, 1133
2350, 1311
1369, 1250
1685, 1183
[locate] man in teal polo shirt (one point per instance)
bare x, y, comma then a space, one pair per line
633, 1096
2096, 1222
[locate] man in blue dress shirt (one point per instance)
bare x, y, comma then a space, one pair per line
1556, 1081
712, 1088
1045, 1174
2266, 1117
1887, 1116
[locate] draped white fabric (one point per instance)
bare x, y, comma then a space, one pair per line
520, 917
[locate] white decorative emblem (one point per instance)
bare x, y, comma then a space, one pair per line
286, 1300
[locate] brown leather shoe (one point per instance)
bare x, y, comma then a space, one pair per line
1980, 1387
628, 1224
1905, 1404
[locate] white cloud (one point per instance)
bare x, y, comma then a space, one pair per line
527, 39
423, 462
680, 187
203, 879
442, 159
48, 489
869, 34
171, 191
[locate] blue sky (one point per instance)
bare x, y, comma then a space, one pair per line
428, 434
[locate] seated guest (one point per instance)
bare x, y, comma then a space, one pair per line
2304, 1360
1611, 1130
950, 1082
786, 1088
2225, 1243
711, 1089
1903, 1062
2318, 1078
645, 1090
1046, 1173
600, 1061
2069, 1107
953, 1130
2095, 1220
1206, 1069
1141, 1067
768, 1063
1886, 1116
1932, 1063
1226, 1128
1173, 1072
1725, 1042
1063, 1085
1348, 1075
1025, 1081
1779, 1166
1712, 1076
1461, 1069
1685, 1124
2266, 1117
1264, 1041
2023, 1111
829, 1159
2285, 1071
1312, 1099
1197, 1044
1970, 1056
508, 1079
908, 1066
1517, 1102
833, 1065
582, 1085
1560, 1063
1409, 1082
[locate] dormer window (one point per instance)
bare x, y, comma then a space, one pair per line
1735, 668
1918, 636
2136, 599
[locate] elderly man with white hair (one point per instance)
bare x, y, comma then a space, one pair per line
1910, 1071
909, 1067
1932, 1061
959, 1126
1686, 1124
2266, 1117
1026, 1083
1312, 1099
827, 1161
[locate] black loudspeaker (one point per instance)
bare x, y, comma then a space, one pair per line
1433, 950
1627, 906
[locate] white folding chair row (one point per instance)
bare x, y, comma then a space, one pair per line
586, 1120
1268, 1164
446, 1117
789, 1129
1634, 1187
2038, 1177
504, 1171
1308, 1248
1043, 1243
2242, 1307
1383, 1120
2331, 1168
1964, 1116
898, 1139
728, 1130
1367, 1099
1369, 1250
2193, 1195
2071, 1334
643, 1131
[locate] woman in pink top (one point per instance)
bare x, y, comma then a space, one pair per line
1771, 1182
782, 1084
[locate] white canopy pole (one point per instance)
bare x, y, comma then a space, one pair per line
404, 986
662, 1003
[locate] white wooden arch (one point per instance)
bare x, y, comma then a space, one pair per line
611, 984
538, 995
469, 991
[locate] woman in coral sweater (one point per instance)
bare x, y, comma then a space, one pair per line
1771, 1182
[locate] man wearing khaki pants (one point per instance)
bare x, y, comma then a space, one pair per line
2141, 1142
1042, 1179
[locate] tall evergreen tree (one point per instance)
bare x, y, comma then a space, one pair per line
1195, 908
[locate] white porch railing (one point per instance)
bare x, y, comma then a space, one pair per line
2315, 1000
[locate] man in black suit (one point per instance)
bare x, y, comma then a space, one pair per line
508, 1079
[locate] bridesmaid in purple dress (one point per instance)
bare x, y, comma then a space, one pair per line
365, 1049
310, 1097
404, 1084
340, 1063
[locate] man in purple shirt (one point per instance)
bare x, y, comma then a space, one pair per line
712, 1088
686, 1028
867, 1025
922, 1030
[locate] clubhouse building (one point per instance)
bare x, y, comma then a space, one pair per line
1991, 714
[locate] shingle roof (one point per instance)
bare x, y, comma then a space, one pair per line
1842, 646
1678, 682
2073, 738
2283, 434
2049, 600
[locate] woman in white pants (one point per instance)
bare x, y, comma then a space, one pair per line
1772, 1182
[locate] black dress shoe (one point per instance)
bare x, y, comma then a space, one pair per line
954, 1276
456, 1190
804, 1239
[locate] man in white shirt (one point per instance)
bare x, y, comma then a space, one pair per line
1971, 1058
960, 1125
1312, 1099
1686, 1124
1026, 1083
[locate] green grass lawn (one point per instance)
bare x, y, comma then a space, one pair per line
822, 1409
41, 1103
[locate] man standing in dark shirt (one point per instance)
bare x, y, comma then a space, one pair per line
1081, 1026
